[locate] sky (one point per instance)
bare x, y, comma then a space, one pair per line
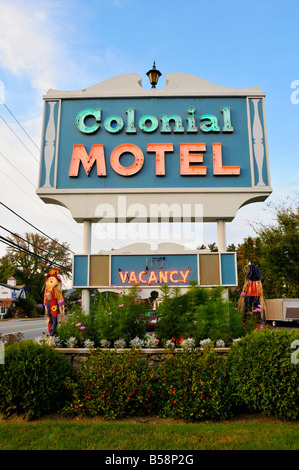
71, 45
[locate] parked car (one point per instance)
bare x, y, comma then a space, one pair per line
149, 319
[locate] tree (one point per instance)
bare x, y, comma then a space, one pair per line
231, 247
29, 259
212, 247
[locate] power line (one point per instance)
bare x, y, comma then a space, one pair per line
19, 139
35, 227
35, 200
30, 153
17, 169
24, 250
19, 124
26, 241
72, 220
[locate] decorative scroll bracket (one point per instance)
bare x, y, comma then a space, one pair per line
258, 142
49, 149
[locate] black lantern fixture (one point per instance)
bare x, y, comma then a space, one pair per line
154, 75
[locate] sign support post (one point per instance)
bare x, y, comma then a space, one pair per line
221, 234
86, 251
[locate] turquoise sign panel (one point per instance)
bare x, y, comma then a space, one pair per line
88, 143
175, 270
155, 270
228, 269
80, 271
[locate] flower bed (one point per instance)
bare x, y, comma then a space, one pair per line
149, 342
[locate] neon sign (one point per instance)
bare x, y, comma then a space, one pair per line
149, 123
154, 277
191, 156
190, 161
192, 141
150, 270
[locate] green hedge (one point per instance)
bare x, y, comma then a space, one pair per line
193, 386
113, 385
258, 375
190, 385
33, 380
262, 374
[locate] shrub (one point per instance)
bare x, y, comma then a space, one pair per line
80, 328
32, 380
112, 385
263, 376
218, 320
118, 317
200, 313
175, 314
194, 386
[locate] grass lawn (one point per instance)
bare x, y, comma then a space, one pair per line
249, 432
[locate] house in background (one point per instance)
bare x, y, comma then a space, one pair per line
9, 295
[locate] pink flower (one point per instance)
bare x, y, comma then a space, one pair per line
121, 305
82, 327
78, 324
242, 294
80, 300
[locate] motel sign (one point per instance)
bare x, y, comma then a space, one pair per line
116, 152
192, 141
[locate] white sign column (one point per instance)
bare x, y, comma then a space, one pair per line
221, 234
86, 251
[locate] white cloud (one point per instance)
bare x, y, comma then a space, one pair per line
26, 48
39, 46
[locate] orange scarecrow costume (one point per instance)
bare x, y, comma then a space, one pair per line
253, 292
53, 300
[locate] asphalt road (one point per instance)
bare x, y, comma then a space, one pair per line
34, 327
30, 327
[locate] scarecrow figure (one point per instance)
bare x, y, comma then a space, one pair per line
53, 300
252, 299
